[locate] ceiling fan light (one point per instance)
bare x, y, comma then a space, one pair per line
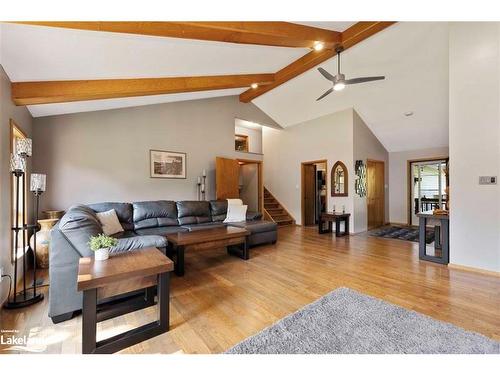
339, 86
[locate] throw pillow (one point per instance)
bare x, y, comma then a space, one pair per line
110, 222
236, 214
234, 202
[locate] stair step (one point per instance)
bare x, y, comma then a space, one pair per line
282, 223
282, 218
276, 211
272, 205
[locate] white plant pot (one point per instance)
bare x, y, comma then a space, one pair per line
101, 254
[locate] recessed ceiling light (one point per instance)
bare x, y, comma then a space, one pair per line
318, 46
254, 85
408, 114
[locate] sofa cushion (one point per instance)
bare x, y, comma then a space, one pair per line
193, 227
193, 212
78, 224
218, 210
123, 211
258, 226
137, 242
253, 215
151, 214
160, 231
124, 234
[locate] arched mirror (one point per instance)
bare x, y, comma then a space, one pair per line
339, 180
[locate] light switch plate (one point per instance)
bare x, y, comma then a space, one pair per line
488, 180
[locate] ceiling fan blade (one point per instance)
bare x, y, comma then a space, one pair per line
325, 74
353, 81
325, 94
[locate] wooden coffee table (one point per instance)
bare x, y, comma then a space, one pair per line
120, 274
233, 238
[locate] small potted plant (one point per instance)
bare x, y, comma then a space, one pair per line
100, 245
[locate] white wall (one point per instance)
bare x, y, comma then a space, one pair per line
398, 179
249, 193
329, 137
254, 137
367, 146
23, 119
474, 144
104, 155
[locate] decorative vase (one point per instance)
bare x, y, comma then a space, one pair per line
53, 214
43, 242
101, 254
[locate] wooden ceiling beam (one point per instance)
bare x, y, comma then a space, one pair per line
281, 34
44, 92
350, 37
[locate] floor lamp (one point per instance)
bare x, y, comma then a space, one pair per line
27, 296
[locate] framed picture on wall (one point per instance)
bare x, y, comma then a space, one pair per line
167, 164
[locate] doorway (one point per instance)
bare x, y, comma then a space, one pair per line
240, 178
375, 193
314, 197
427, 182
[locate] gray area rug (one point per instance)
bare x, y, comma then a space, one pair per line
346, 321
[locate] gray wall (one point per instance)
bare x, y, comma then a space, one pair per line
104, 156
23, 119
367, 146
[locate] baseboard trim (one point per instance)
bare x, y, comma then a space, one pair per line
473, 269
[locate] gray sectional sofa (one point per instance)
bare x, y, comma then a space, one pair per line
145, 224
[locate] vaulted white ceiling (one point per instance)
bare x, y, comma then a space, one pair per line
412, 55
34, 53
414, 58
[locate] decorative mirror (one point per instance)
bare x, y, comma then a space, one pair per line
339, 180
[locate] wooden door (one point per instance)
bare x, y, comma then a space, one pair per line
375, 196
309, 194
227, 174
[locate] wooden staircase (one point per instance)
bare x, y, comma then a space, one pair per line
275, 211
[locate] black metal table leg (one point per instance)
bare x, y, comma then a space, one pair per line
131, 337
179, 261
337, 227
164, 301
422, 223
244, 246
445, 243
89, 321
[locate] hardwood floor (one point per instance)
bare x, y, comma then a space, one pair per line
221, 300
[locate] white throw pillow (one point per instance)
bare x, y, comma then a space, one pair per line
110, 222
236, 214
234, 202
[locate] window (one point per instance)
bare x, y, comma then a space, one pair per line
17, 133
241, 142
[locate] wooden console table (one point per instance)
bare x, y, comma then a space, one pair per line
441, 240
120, 274
337, 217
235, 239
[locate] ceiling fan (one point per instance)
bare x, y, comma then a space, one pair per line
339, 81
